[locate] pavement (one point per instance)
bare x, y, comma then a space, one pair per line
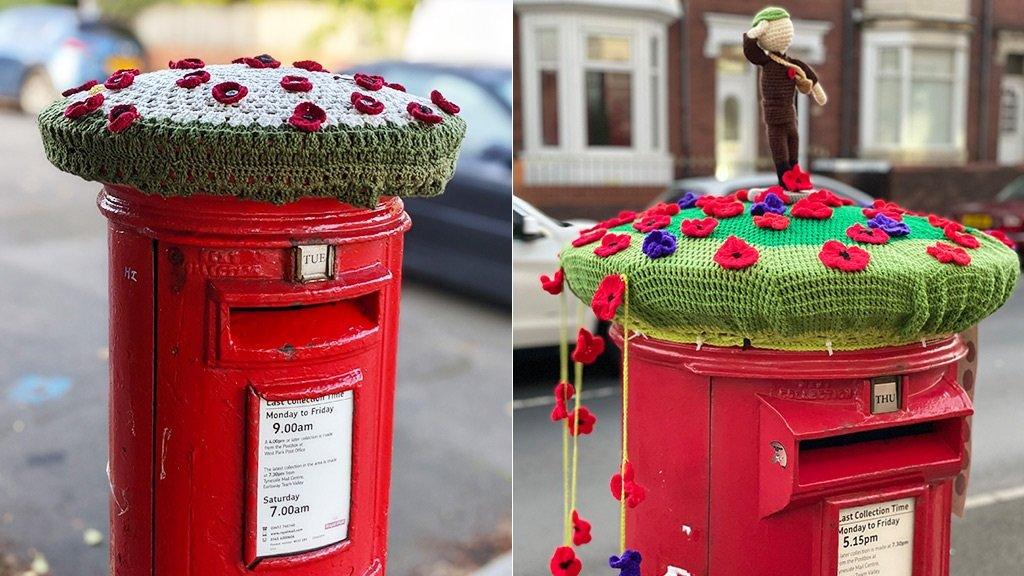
986, 542
452, 482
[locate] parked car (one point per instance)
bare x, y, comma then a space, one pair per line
536, 241
1004, 212
45, 50
710, 186
461, 239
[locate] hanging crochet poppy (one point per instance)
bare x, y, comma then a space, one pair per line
580, 530
735, 254
624, 482
583, 424
695, 228
563, 393
649, 222
811, 210
608, 297
589, 236
659, 244
229, 92
962, 238
309, 65
367, 104
628, 563
294, 83
423, 113
83, 107
553, 284
612, 244
588, 347
859, 233
771, 221
835, 254
796, 179
186, 64
948, 254
121, 117
308, 117
443, 103
370, 82
193, 79
82, 88
564, 562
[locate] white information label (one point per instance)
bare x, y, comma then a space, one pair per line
877, 539
304, 474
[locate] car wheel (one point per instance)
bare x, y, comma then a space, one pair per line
37, 92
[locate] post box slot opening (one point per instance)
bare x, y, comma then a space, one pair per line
834, 458
291, 329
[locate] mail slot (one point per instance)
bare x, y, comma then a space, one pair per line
779, 462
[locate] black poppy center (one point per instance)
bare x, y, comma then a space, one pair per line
424, 109
845, 255
265, 58
309, 116
737, 255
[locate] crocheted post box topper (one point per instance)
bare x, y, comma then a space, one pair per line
809, 272
255, 129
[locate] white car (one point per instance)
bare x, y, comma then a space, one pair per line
536, 240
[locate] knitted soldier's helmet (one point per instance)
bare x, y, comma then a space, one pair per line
779, 273
778, 34
257, 130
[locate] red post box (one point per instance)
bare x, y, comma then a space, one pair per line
255, 266
796, 463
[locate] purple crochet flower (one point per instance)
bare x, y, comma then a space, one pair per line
771, 203
628, 564
889, 226
689, 200
658, 244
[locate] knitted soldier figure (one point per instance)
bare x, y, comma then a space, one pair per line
765, 45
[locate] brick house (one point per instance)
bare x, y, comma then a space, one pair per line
617, 98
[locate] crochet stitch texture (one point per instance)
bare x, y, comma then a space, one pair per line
789, 299
187, 142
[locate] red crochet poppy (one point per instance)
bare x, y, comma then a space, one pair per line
649, 222
83, 88
443, 103
796, 179
1002, 237
948, 254
186, 64
121, 117
370, 82
308, 117
565, 563
810, 209
563, 393
261, 61
774, 189
580, 530
121, 79
962, 238
624, 217
83, 107
828, 198
367, 104
229, 92
395, 86
698, 228
861, 233
608, 297
835, 254
193, 79
588, 347
309, 66
771, 221
889, 209
725, 207
588, 236
735, 254
743, 195
625, 482
583, 424
296, 83
423, 113
612, 244
554, 283
666, 208
941, 223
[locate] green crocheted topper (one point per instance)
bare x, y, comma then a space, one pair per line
769, 14
256, 130
813, 274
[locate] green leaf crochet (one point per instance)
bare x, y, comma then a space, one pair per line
838, 281
264, 133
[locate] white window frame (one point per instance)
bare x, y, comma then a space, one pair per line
873, 41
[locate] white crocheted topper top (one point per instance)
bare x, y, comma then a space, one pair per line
251, 92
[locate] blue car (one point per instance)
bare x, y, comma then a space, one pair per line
45, 50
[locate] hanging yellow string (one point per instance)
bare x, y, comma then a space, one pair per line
563, 376
625, 413
578, 383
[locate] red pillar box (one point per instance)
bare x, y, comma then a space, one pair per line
255, 266
792, 394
